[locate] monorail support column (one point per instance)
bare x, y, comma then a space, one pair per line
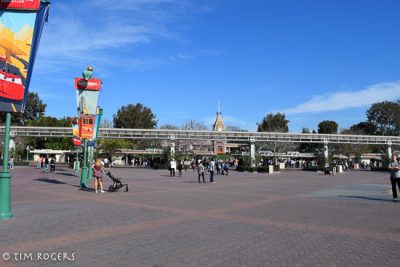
326, 153
252, 152
389, 149
172, 138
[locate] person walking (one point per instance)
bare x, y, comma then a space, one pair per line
394, 169
173, 167
98, 170
46, 164
211, 169
180, 168
39, 162
52, 165
200, 170
226, 168
11, 163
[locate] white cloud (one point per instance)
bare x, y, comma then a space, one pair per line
105, 33
350, 99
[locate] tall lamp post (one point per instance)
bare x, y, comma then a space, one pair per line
84, 172
29, 17
5, 176
99, 115
87, 94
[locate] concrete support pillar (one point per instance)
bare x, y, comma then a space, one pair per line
253, 152
326, 153
389, 149
172, 146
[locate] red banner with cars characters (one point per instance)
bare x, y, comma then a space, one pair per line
20, 4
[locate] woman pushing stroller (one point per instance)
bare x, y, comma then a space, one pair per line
98, 170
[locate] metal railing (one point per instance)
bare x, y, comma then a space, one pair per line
176, 135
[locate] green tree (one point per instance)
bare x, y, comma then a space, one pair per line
328, 127
350, 150
385, 117
274, 123
308, 147
135, 116
361, 128
51, 143
34, 109
108, 145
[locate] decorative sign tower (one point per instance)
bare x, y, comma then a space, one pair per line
87, 96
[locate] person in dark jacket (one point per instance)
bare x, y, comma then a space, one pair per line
46, 164
52, 165
394, 168
180, 168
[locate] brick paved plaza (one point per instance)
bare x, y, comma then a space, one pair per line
293, 218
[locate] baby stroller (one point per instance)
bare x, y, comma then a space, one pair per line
117, 183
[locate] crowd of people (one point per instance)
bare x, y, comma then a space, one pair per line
46, 163
203, 166
139, 162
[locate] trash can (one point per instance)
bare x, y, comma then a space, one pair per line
271, 169
340, 169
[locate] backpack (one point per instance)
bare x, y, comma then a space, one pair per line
98, 173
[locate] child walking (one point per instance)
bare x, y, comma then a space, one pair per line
98, 170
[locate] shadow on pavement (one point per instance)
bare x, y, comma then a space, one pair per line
53, 181
66, 174
191, 182
368, 198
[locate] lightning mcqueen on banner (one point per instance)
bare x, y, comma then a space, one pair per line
20, 4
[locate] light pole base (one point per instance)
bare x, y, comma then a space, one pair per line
84, 177
5, 197
6, 216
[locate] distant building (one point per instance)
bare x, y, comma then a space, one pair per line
59, 155
219, 126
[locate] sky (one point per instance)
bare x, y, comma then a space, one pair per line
312, 60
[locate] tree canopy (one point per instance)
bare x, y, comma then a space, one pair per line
385, 117
328, 127
34, 109
274, 123
361, 128
135, 116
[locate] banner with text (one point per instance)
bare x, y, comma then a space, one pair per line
21, 24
